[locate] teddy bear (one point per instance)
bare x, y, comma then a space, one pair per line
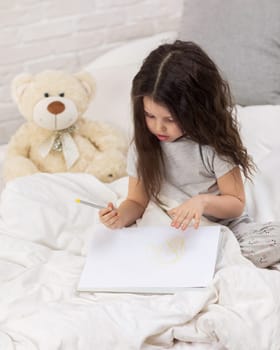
55, 137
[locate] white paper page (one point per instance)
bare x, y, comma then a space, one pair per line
150, 259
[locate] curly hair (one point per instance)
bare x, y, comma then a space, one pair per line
183, 78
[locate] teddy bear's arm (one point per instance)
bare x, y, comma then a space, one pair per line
16, 162
103, 136
19, 144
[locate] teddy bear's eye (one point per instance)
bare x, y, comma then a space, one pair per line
62, 94
46, 94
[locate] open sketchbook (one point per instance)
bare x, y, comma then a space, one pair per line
150, 259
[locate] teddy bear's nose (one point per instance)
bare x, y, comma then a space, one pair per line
56, 107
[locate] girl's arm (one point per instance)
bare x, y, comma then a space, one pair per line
229, 204
131, 209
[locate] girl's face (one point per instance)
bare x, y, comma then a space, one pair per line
160, 121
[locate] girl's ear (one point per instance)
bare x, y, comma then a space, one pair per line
19, 84
88, 83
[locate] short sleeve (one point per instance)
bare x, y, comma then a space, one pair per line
214, 163
131, 167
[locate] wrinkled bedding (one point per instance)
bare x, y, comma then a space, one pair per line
44, 235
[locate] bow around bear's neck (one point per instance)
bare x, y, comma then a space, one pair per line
61, 141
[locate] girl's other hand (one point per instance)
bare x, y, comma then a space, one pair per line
190, 210
110, 217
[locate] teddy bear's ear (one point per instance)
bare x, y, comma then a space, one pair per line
19, 84
87, 81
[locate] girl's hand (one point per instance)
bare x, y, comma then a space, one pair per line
110, 217
190, 210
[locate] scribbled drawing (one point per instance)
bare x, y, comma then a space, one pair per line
169, 251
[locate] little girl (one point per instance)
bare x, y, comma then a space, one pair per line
187, 148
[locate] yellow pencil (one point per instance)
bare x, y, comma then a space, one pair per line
97, 206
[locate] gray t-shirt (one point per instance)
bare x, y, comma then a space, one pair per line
191, 169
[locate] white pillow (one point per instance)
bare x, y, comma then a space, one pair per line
260, 127
263, 194
113, 73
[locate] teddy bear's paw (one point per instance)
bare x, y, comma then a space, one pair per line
108, 166
18, 166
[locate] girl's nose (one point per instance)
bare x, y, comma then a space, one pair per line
161, 126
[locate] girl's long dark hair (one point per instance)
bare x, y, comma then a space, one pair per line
182, 78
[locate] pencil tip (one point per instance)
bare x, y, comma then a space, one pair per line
78, 200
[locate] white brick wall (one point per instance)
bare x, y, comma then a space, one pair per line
67, 34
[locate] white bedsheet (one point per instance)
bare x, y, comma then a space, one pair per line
44, 236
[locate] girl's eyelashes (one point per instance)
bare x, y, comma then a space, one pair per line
148, 115
167, 119
171, 120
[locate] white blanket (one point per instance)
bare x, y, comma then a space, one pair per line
44, 236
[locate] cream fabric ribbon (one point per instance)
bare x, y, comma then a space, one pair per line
61, 142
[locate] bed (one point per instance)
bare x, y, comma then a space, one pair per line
44, 236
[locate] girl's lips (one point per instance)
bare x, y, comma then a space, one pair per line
162, 137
